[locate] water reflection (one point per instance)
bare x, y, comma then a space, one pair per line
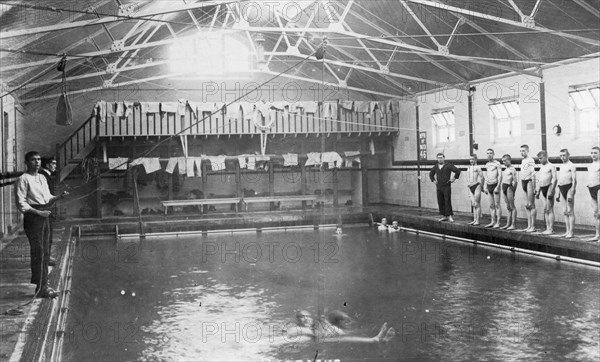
212, 322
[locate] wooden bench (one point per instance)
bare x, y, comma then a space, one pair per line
265, 199
201, 202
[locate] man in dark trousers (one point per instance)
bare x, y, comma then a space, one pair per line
34, 199
440, 176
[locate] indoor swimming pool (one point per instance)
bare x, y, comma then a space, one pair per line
234, 296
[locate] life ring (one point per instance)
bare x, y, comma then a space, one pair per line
259, 125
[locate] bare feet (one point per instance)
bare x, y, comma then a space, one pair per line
547, 232
512, 227
471, 223
530, 230
443, 219
450, 219
489, 225
569, 236
595, 238
381, 333
476, 224
505, 227
496, 226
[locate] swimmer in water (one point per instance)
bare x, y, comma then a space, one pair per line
394, 226
383, 225
334, 328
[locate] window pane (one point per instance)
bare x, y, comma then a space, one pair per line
499, 111
503, 129
449, 116
576, 97
439, 120
516, 127
513, 109
451, 133
596, 93
588, 120
588, 99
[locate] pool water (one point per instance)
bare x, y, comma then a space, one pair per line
228, 297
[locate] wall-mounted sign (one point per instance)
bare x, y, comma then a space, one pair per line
423, 146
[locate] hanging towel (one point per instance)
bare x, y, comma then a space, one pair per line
169, 107
290, 159
205, 107
262, 158
311, 107
247, 109
120, 109
119, 163
395, 106
242, 161
383, 107
110, 109
252, 163
198, 163
189, 165
182, 165
217, 163
136, 162
150, 107
314, 159
363, 107
330, 110
296, 107
181, 106
101, 109
128, 106
372, 146
171, 165
347, 105
151, 164
350, 157
333, 159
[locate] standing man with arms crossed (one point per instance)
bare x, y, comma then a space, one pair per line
594, 187
509, 186
567, 182
546, 185
475, 183
440, 176
33, 196
493, 180
528, 183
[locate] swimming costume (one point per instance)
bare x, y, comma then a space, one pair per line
491, 188
505, 189
564, 189
524, 184
594, 191
544, 190
473, 188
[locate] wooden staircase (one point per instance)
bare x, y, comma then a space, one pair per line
77, 147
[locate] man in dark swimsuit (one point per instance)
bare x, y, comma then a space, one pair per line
509, 185
567, 184
474, 183
546, 186
594, 188
493, 177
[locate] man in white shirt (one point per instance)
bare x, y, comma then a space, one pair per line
594, 188
33, 199
527, 177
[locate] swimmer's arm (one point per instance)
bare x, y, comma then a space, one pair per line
349, 339
480, 177
432, 173
498, 186
574, 171
553, 181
